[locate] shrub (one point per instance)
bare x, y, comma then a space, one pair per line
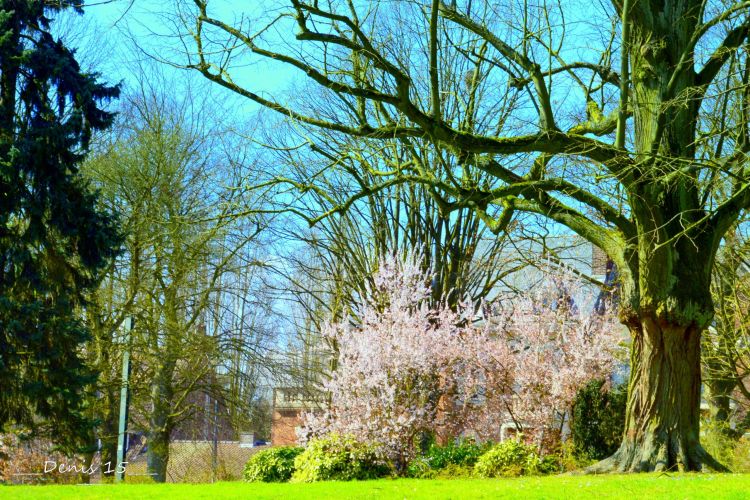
567, 459
24, 461
462, 454
549, 464
741, 456
720, 442
420, 468
454, 471
272, 465
598, 420
716, 440
509, 458
338, 457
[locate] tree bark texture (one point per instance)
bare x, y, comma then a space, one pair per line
663, 416
160, 430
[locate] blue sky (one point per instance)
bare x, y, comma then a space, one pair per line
110, 37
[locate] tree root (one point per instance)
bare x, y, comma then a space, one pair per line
656, 458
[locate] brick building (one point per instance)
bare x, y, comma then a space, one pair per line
289, 403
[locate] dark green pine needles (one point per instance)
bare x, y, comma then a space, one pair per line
54, 240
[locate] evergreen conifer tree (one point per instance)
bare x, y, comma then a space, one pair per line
54, 240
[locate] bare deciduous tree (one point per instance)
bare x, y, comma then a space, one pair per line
646, 161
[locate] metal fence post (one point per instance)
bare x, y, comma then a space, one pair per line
215, 450
123, 425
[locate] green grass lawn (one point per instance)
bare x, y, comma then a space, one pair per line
632, 487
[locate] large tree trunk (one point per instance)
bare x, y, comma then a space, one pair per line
666, 268
663, 416
162, 390
667, 308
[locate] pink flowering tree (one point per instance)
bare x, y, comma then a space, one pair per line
407, 366
391, 363
544, 345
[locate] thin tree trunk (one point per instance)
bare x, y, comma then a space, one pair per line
719, 396
108, 435
157, 457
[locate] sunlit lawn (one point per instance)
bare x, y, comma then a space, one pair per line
632, 487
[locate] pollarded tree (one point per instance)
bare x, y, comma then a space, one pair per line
54, 239
646, 161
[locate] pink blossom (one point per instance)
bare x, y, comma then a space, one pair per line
407, 367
